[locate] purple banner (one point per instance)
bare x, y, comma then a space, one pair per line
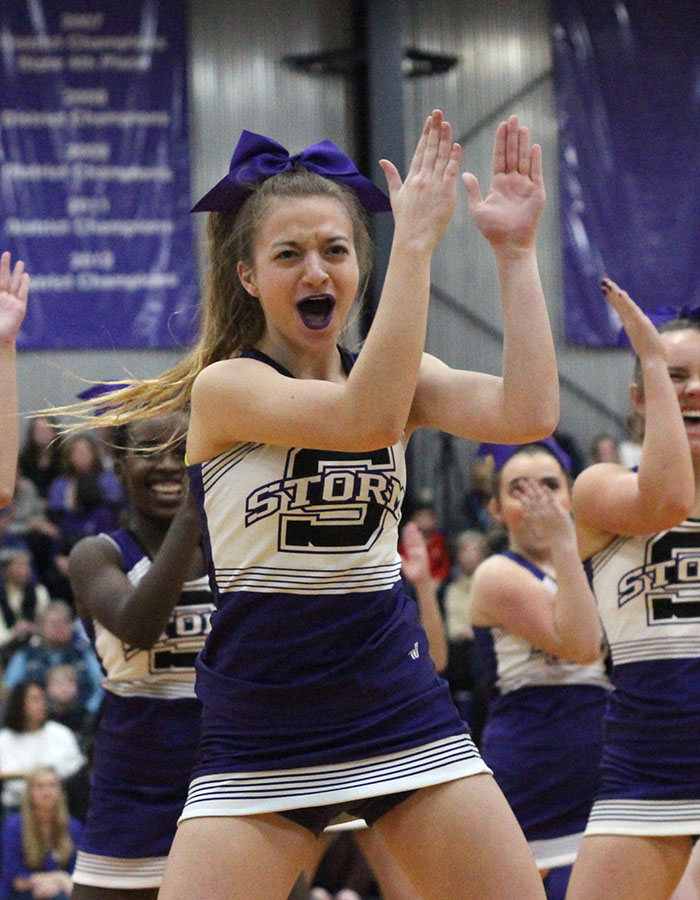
94, 170
627, 82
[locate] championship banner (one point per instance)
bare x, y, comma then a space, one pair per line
94, 171
628, 107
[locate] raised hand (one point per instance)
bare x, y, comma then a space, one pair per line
415, 565
14, 290
510, 212
639, 328
424, 202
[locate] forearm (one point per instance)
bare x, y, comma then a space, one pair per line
431, 620
576, 619
146, 612
530, 395
9, 422
383, 381
665, 473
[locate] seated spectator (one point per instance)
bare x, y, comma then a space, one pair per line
39, 456
65, 706
59, 641
22, 601
425, 517
29, 739
39, 842
471, 549
476, 500
85, 498
30, 523
631, 445
463, 671
604, 448
9, 541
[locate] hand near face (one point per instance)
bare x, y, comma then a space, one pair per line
546, 520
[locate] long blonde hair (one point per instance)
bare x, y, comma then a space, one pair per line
35, 846
232, 320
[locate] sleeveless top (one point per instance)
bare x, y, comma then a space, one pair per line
510, 663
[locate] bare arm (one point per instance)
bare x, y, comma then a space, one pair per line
135, 614
241, 399
611, 500
14, 290
416, 569
523, 404
564, 624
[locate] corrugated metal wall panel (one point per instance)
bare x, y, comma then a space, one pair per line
504, 67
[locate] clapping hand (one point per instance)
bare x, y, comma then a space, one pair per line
509, 214
14, 290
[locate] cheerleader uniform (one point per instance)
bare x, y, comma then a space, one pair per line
648, 592
543, 735
317, 684
146, 739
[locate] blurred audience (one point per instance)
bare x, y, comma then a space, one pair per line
39, 842
39, 456
23, 601
60, 640
424, 515
29, 739
604, 448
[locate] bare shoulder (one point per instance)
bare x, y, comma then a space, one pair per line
494, 581
94, 550
600, 497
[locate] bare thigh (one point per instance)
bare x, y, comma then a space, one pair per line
88, 892
236, 858
391, 878
689, 887
624, 867
461, 841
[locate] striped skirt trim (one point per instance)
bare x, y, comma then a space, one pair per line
560, 851
644, 817
117, 872
248, 793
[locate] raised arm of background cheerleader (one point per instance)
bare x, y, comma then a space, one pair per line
523, 404
14, 289
611, 500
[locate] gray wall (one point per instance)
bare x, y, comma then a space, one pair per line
238, 80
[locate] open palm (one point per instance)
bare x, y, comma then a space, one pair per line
510, 212
14, 290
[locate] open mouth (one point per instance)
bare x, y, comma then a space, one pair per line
316, 312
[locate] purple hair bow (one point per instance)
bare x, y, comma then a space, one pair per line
257, 158
661, 316
502, 452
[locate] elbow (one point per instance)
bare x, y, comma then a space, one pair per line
584, 655
674, 511
382, 434
143, 641
533, 424
544, 421
5, 498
